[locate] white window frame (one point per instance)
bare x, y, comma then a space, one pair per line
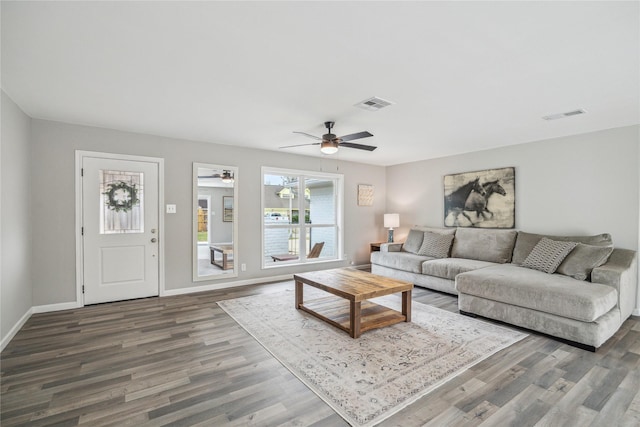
338, 180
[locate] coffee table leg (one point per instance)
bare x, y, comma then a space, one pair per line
354, 318
298, 294
406, 305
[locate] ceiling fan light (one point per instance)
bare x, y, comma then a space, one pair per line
328, 147
227, 178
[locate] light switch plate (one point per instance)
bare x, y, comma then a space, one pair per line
171, 208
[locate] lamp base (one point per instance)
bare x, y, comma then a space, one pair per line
390, 236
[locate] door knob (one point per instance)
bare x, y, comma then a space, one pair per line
153, 240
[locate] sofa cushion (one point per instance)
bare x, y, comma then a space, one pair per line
547, 255
413, 242
484, 245
584, 258
527, 241
405, 261
449, 268
436, 245
549, 293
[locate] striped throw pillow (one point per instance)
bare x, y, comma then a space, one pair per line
436, 245
548, 254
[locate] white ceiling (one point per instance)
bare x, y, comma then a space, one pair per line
464, 76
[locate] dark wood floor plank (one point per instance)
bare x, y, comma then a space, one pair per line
182, 360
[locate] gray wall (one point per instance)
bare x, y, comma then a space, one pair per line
15, 216
54, 146
219, 230
581, 184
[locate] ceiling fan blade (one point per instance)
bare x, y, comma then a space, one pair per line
358, 135
217, 175
300, 145
358, 146
309, 135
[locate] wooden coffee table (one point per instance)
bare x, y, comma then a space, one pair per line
352, 312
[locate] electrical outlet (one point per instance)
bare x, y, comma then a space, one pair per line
171, 209
243, 267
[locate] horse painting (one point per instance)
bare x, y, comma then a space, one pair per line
478, 203
470, 201
455, 202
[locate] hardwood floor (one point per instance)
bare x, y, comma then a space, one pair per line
183, 361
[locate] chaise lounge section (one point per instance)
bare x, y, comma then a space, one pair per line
581, 293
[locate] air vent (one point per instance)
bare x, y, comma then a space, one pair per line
563, 115
373, 104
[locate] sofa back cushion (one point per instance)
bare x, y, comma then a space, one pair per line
484, 245
527, 241
583, 259
413, 242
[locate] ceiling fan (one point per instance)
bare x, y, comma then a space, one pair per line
329, 142
226, 176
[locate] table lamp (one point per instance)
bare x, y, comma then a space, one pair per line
390, 221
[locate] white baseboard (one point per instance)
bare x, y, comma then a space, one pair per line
12, 333
55, 307
224, 285
636, 312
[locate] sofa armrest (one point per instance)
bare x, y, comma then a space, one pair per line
391, 247
620, 272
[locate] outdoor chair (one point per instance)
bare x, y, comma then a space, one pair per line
314, 253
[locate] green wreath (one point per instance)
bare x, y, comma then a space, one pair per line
121, 196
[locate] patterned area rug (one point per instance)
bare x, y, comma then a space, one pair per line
368, 379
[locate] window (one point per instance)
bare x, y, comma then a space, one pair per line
301, 217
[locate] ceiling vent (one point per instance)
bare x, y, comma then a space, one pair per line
563, 115
373, 104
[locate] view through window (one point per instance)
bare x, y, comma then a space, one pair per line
301, 216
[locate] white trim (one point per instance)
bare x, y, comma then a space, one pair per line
80, 155
55, 307
636, 312
12, 333
338, 195
216, 286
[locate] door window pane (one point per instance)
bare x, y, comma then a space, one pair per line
121, 197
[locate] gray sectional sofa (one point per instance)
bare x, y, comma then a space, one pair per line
576, 288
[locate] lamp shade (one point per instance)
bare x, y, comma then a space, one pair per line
391, 220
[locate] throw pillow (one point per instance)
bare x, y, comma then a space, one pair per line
436, 245
547, 255
584, 258
413, 242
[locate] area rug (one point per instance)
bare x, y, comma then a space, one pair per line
368, 379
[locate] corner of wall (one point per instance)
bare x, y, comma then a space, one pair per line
13, 331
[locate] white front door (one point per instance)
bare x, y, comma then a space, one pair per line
120, 208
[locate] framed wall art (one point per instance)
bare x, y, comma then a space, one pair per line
482, 199
227, 208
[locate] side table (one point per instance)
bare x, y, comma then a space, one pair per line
375, 247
